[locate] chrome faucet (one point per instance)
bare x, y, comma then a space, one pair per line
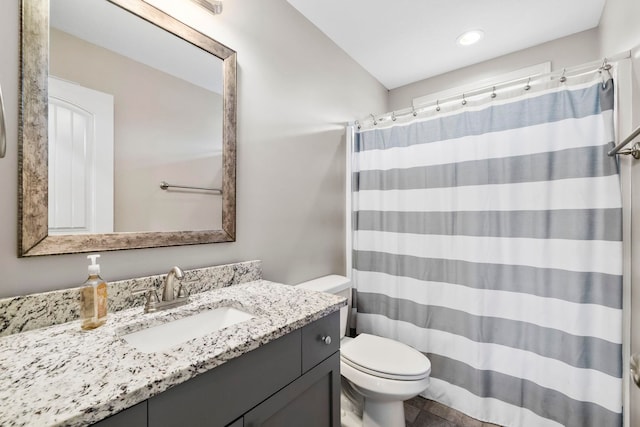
170, 298
169, 292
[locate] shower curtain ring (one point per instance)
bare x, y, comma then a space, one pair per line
605, 67
437, 105
358, 124
393, 116
528, 86
464, 101
563, 78
375, 122
493, 93
413, 111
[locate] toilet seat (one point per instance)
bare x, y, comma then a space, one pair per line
385, 358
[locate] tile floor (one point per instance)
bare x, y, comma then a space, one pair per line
420, 412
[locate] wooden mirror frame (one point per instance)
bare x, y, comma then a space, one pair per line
33, 217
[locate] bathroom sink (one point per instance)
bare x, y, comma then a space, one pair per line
167, 335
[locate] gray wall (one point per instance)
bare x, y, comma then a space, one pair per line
296, 92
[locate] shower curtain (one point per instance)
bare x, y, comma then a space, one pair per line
490, 239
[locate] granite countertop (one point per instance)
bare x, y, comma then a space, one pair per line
61, 375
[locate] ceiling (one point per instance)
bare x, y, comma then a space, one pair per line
404, 41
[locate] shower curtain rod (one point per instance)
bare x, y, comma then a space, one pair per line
634, 150
579, 70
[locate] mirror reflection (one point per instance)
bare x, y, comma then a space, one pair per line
130, 106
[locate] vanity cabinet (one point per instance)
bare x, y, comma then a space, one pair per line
291, 381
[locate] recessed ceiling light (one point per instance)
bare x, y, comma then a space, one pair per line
470, 37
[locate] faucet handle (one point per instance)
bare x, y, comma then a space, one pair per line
152, 298
182, 290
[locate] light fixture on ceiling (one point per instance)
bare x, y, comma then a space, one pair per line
470, 37
213, 6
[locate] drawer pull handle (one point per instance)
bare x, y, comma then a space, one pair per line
326, 340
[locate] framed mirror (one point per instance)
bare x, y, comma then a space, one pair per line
128, 130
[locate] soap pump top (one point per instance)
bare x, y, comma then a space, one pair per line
94, 268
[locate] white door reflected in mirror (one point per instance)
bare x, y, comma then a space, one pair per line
80, 159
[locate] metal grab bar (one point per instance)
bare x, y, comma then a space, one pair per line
165, 186
634, 151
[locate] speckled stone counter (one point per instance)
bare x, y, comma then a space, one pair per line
61, 375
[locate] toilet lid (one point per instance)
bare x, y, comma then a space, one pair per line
385, 358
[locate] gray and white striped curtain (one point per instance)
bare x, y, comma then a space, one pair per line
489, 238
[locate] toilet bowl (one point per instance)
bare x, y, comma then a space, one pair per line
380, 373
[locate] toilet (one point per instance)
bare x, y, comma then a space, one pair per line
378, 373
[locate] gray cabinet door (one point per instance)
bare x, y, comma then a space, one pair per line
136, 416
219, 396
237, 423
312, 400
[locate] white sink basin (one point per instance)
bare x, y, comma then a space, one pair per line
167, 335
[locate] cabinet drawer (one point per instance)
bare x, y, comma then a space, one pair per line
314, 340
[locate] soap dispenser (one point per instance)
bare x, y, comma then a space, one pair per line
93, 297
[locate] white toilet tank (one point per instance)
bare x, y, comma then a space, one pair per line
337, 285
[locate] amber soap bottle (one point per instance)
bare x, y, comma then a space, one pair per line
93, 297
